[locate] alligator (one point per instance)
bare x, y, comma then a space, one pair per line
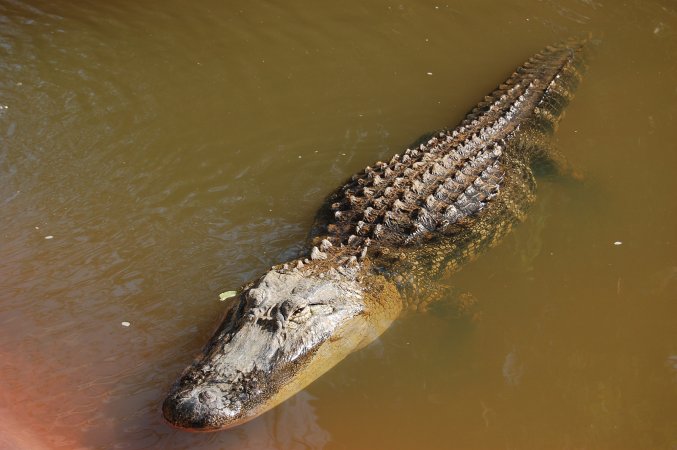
377, 246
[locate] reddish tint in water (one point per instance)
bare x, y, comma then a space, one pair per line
175, 151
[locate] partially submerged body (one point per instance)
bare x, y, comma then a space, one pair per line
379, 242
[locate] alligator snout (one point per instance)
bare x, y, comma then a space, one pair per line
281, 334
203, 408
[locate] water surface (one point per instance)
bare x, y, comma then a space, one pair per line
154, 154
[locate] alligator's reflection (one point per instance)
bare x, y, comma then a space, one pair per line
292, 425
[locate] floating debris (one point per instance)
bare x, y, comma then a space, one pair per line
226, 295
125, 324
49, 237
617, 243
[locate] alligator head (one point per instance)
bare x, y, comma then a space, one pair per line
280, 334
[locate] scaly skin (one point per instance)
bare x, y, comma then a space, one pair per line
379, 242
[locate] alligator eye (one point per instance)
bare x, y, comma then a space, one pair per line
300, 314
319, 309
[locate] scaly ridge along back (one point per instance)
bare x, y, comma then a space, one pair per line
437, 187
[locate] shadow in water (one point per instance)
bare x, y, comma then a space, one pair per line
292, 425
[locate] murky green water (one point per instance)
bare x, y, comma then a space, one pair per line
154, 154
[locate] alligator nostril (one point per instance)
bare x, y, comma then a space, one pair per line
206, 397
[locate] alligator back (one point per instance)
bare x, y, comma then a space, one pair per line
464, 187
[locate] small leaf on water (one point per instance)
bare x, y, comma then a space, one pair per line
226, 295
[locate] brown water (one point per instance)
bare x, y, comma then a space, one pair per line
154, 154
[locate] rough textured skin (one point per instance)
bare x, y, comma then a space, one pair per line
377, 243
463, 189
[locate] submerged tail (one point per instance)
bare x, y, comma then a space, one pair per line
540, 89
563, 67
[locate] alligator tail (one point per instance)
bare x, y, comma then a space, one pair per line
562, 66
552, 77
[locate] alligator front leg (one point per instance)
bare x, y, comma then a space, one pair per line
551, 163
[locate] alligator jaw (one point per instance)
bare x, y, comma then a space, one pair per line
280, 334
